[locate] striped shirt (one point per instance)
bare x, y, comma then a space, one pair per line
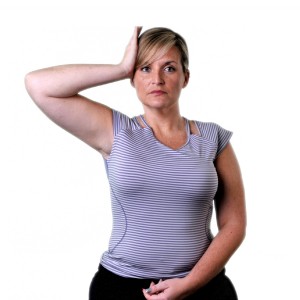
162, 199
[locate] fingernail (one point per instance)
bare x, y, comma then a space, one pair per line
148, 291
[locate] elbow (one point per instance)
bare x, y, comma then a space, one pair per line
31, 84
241, 231
236, 230
244, 226
34, 86
237, 234
243, 234
29, 81
240, 227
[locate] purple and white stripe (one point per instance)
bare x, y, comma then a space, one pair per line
162, 199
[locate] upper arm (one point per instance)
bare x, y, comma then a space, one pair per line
88, 120
230, 197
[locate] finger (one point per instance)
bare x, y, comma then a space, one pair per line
135, 35
149, 290
151, 297
138, 30
156, 288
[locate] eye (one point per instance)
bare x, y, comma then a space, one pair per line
170, 69
145, 69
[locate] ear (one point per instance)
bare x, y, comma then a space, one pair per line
187, 78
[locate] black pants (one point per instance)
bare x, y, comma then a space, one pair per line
108, 286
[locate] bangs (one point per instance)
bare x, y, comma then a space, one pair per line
150, 52
156, 42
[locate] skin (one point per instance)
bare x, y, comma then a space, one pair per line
158, 86
56, 91
231, 217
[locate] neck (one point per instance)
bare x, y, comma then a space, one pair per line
168, 129
164, 122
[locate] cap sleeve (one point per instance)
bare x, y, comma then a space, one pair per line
122, 122
216, 138
223, 138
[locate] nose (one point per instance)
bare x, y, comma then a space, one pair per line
157, 77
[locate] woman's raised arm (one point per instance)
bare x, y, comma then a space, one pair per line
56, 90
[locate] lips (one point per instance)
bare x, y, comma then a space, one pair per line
157, 92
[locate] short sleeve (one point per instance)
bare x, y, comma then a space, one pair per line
122, 122
223, 138
215, 138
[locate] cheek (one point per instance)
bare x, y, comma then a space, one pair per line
140, 84
139, 89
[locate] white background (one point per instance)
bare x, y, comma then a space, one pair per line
55, 209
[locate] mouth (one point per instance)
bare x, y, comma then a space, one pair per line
157, 92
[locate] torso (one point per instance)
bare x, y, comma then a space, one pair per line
161, 199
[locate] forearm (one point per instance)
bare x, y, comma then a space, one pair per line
210, 264
68, 80
231, 219
218, 253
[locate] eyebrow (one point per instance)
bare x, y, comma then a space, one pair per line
170, 62
165, 64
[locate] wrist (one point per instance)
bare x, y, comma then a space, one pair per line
192, 284
125, 71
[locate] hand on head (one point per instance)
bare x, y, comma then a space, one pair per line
129, 58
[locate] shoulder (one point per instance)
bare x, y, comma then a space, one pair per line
123, 122
211, 130
214, 133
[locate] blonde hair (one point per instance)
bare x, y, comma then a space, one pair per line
157, 41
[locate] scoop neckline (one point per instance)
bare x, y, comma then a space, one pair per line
187, 128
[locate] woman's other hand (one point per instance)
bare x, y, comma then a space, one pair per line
170, 289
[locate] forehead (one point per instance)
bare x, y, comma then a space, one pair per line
164, 55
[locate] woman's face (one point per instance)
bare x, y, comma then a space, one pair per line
158, 85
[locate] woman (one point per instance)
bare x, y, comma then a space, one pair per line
164, 172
